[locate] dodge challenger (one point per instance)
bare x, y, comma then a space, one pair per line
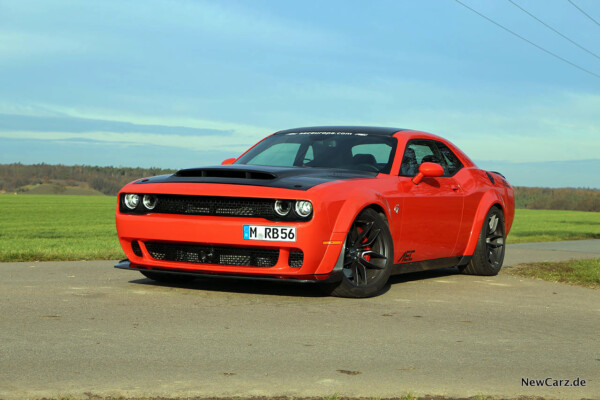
342, 206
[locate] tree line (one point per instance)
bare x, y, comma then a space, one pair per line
557, 199
109, 180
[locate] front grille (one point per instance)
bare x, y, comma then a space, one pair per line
296, 258
207, 254
218, 206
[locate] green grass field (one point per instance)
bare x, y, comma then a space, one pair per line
50, 227
550, 225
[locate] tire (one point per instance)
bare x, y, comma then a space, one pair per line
489, 253
166, 278
368, 257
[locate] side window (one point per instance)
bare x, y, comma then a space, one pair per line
451, 163
280, 154
417, 152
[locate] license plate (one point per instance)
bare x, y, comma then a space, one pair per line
272, 233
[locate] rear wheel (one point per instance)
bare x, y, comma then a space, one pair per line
489, 253
166, 278
368, 257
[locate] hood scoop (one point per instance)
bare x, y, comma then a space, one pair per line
224, 173
259, 175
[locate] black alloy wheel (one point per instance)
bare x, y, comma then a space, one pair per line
489, 253
368, 257
494, 241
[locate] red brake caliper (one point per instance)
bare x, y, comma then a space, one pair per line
367, 257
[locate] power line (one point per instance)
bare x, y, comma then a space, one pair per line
529, 41
583, 12
554, 30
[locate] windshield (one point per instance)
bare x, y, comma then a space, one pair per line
339, 150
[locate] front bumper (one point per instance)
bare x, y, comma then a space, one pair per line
191, 237
319, 246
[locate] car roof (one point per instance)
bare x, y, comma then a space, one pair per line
368, 130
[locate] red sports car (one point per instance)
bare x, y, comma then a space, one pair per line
343, 206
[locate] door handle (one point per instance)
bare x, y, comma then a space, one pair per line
456, 187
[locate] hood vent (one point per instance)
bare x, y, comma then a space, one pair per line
224, 173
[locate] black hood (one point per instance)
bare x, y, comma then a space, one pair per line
255, 175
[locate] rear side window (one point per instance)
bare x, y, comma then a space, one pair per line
421, 150
452, 164
416, 153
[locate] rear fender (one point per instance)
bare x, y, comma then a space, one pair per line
489, 199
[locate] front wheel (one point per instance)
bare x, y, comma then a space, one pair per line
368, 257
489, 253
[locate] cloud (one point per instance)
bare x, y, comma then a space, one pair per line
91, 152
52, 123
494, 124
40, 27
196, 143
66, 124
500, 127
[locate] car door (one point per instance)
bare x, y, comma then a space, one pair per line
432, 210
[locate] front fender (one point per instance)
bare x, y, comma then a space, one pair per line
488, 200
357, 201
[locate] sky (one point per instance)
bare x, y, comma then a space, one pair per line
185, 83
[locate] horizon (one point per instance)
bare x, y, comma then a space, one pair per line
507, 170
189, 83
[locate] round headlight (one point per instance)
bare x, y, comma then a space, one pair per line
131, 200
303, 208
282, 207
150, 201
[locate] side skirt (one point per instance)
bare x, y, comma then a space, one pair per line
438, 263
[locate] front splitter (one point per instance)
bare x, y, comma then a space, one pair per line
335, 276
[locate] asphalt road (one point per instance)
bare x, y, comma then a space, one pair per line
70, 328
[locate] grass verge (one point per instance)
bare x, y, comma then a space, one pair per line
584, 273
409, 396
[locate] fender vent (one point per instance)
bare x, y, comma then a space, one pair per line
491, 178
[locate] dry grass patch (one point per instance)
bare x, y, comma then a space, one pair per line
584, 273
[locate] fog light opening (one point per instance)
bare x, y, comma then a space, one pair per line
135, 247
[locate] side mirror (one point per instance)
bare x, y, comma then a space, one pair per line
428, 169
229, 161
